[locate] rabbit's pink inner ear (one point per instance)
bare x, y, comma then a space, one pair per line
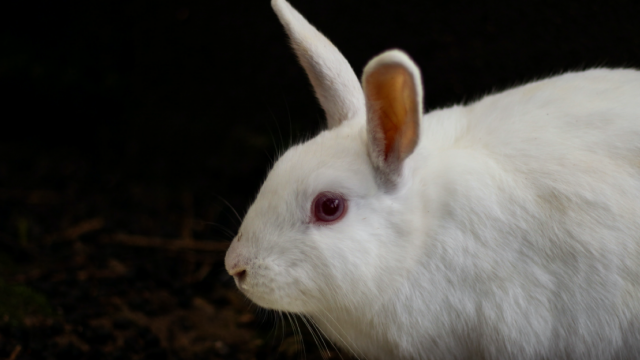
393, 110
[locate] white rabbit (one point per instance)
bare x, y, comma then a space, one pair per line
505, 229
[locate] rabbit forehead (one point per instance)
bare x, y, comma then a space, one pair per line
335, 160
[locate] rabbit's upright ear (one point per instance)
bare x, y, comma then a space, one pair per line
393, 93
334, 81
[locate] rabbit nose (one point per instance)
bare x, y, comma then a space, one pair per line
238, 269
239, 274
236, 261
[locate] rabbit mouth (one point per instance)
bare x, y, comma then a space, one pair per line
269, 300
274, 295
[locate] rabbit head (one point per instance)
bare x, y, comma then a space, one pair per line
331, 224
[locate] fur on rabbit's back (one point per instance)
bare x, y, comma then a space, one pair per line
545, 181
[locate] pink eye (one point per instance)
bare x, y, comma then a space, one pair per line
328, 207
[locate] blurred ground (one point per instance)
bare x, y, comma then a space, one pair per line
127, 127
110, 295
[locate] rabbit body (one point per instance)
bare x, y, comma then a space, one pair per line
511, 229
527, 235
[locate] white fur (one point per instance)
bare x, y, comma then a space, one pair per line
513, 232
335, 83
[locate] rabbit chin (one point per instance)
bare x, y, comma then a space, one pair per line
277, 300
280, 295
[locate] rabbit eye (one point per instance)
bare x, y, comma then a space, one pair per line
328, 207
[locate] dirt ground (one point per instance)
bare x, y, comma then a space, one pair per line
112, 295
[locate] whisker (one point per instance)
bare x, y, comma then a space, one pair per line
223, 228
229, 205
325, 336
339, 327
282, 320
283, 146
273, 138
279, 150
271, 160
323, 351
304, 351
297, 334
274, 328
293, 327
290, 127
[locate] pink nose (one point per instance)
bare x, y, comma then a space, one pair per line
235, 261
239, 274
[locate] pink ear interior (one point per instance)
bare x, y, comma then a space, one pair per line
393, 103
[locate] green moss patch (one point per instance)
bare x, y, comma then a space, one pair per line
19, 301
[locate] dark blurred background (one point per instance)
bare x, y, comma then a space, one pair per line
155, 118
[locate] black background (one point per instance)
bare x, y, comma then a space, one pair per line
146, 112
188, 94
